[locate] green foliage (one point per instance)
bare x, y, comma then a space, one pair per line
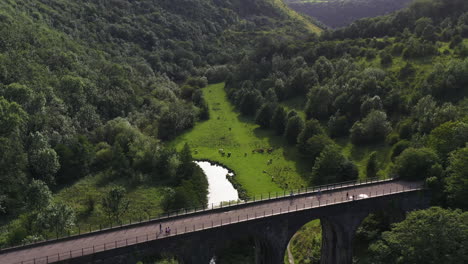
315, 145
37, 196
338, 125
76, 157
448, 137
414, 164
57, 217
372, 165
448, 81
318, 104
306, 243
264, 115
312, 127
434, 235
399, 147
374, 128
12, 118
115, 204
331, 166
456, 186
278, 120
294, 126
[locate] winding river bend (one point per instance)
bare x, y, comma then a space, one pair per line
220, 189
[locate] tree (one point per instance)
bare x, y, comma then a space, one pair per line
370, 104
76, 157
45, 164
399, 147
372, 165
43, 160
312, 127
57, 217
374, 128
385, 59
12, 118
415, 164
115, 204
186, 167
429, 236
264, 114
38, 196
13, 164
448, 137
293, 128
424, 112
278, 120
456, 186
315, 145
331, 166
318, 103
338, 125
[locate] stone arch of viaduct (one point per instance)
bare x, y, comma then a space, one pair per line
271, 234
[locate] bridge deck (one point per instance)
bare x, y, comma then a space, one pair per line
120, 237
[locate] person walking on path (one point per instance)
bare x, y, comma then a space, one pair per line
160, 228
347, 196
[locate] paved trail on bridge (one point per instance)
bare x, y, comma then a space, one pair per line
126, 236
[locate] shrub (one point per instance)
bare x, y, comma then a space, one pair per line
415, 164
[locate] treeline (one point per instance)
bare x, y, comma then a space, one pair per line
341, 13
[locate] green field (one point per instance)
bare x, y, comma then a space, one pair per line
233, 133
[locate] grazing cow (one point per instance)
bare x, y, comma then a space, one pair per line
260, 150
229, 154
270, 150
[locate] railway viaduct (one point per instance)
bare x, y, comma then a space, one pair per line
197, 236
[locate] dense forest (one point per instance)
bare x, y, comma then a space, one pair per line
93, 92
97, 87
340, 13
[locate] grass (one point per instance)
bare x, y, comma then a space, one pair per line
144, 200
228, 130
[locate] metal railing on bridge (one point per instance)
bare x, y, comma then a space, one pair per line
86, 229
214, 224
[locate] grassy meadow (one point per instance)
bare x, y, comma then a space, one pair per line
228, 130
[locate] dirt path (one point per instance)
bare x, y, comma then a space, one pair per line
290, 255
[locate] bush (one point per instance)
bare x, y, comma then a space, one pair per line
416, 164
399, 147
